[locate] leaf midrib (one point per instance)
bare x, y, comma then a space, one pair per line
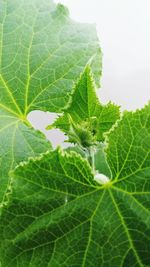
57, 210
51, 84
89, 219
9, 91
126, 230
90, 232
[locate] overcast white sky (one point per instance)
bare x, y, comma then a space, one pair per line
124, 30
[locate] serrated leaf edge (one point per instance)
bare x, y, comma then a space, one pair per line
116, 125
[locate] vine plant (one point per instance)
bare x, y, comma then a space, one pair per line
88, 205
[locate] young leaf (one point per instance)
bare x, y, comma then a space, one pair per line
42, 52
62, 217
86, 111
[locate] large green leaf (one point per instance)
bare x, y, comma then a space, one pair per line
59, 216
86, 110
42, 52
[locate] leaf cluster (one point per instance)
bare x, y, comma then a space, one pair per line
88, 205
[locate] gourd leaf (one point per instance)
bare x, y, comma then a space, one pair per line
63, 217
86, 111
18, 141
42, 52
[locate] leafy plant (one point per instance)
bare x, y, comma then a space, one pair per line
85, 113
42, 53
88, 205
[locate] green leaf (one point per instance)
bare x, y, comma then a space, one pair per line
128, 151
86, 111
62, 217
42, 52
18, 141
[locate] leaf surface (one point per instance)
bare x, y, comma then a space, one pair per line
18, 141
62, 217
42, 52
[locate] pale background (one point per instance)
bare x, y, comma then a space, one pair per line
123, 27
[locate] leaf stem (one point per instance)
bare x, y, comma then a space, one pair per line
91, 152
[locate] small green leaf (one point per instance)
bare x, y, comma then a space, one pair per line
59, 216
86, 111
81, 134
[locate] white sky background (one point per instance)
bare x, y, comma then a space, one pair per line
124, 30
